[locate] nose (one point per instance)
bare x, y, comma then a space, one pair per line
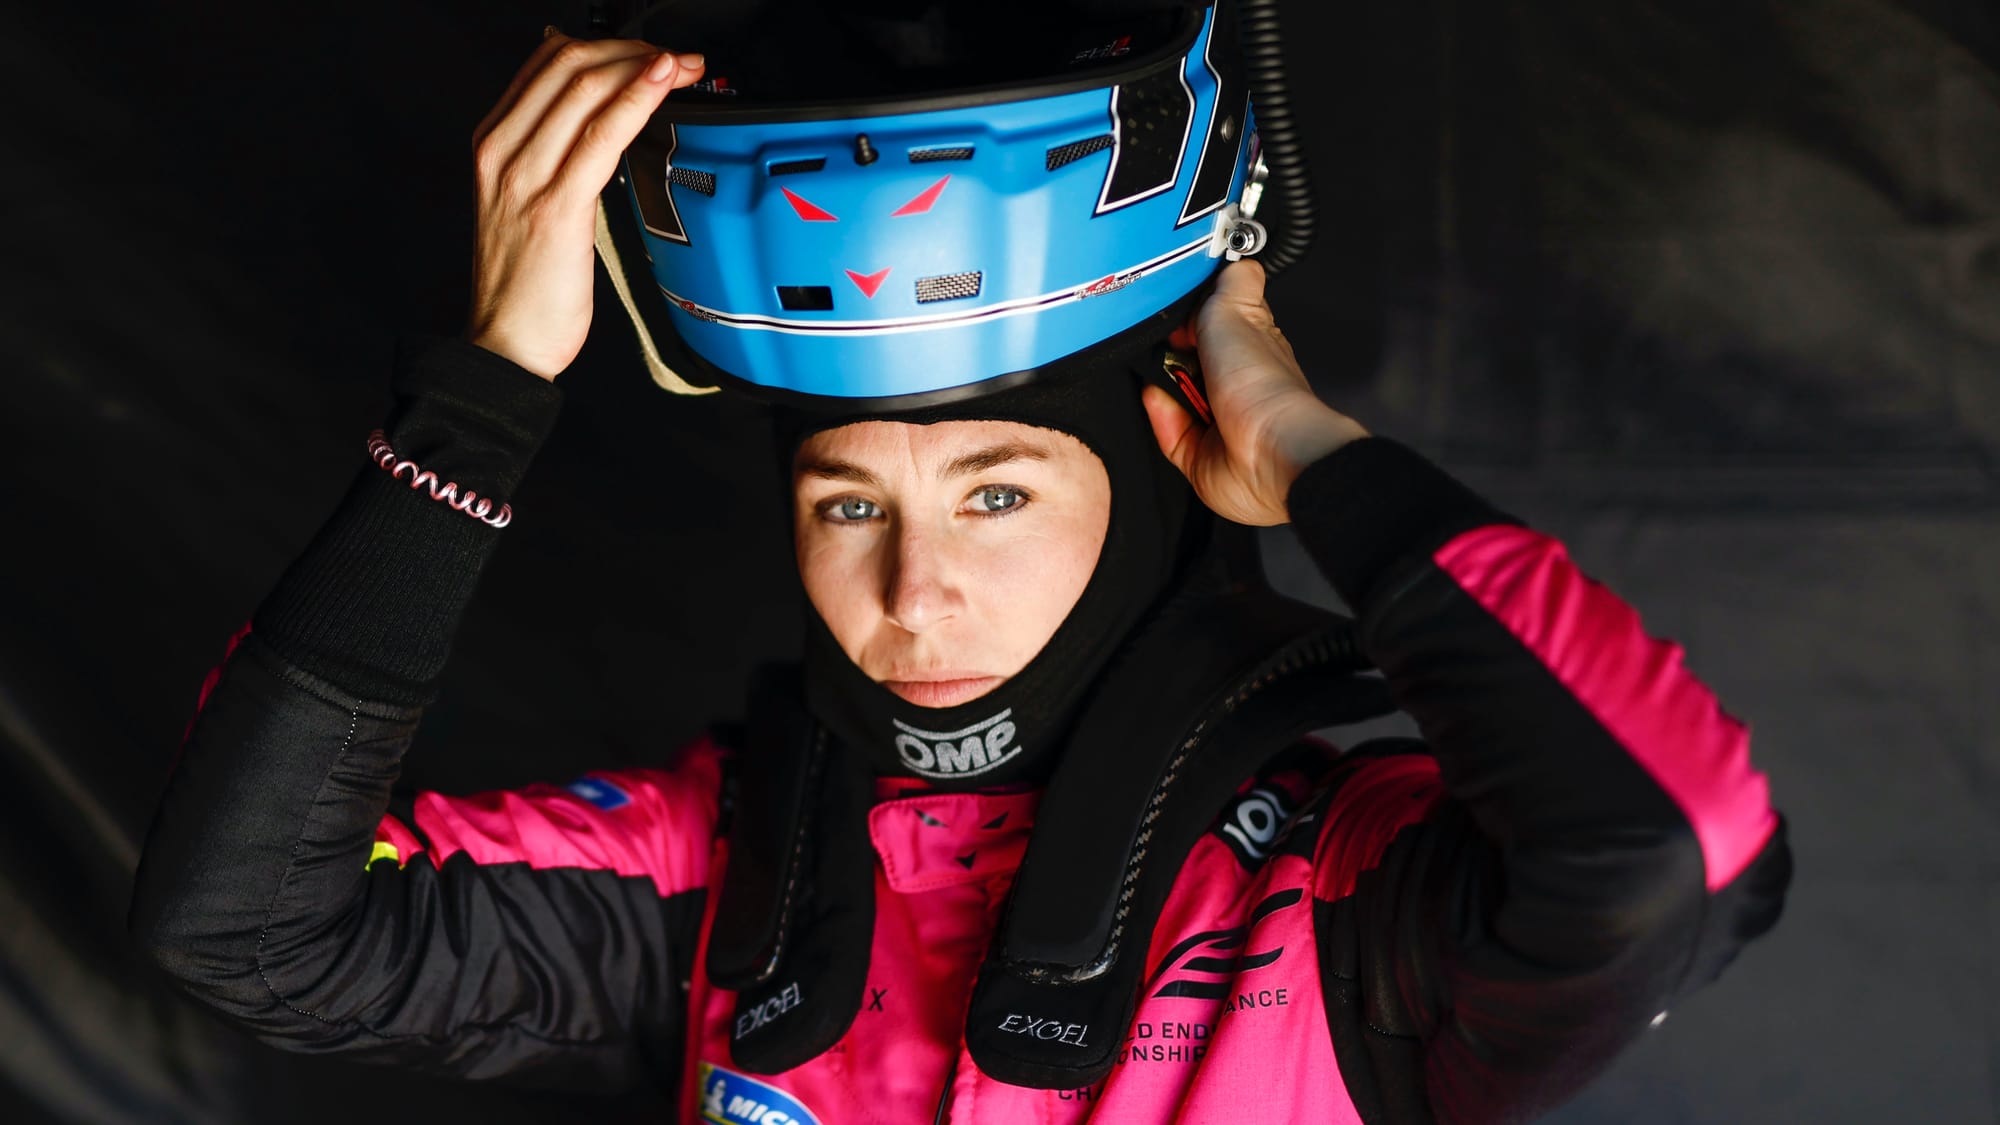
920, 591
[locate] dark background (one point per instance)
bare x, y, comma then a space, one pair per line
1710, 290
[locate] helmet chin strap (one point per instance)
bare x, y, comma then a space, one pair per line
665, 376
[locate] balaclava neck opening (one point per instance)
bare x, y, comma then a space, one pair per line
1157, 533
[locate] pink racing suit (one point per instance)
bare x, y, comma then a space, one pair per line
1230, 1025
1466, 927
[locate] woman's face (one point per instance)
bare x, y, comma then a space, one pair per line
943, 557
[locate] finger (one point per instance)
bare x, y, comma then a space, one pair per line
570, 70
603, 139
1237, 328
637, 83
519, 82
1176, 431
1242, 280
548, 146
1238, 299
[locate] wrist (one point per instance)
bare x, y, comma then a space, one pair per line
1308, 434
518, 357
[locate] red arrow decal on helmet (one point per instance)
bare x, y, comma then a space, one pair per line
922, 203
868, 283
807, 211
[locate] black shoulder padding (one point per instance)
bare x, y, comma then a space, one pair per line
1166, 742
773, 776
796, 916
1205, 698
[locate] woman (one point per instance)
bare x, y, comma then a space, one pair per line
1014, 843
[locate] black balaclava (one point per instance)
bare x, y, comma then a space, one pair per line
1156, 532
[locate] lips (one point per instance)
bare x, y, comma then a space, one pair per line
942, 693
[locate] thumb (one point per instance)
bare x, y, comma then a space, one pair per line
1174, 428
1242, 280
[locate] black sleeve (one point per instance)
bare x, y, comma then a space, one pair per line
1592, 843
257, 889
373, 602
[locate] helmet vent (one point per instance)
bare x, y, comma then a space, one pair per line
950, 152
948, 287
1076, 150
703, 182
805, 298
789, 167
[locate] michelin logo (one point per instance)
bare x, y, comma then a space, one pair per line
729, 1098
600, 792
959, 753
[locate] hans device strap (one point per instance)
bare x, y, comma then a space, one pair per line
1233, 682
796, 916
1212, 692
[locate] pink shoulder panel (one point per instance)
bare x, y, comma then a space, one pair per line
658, 823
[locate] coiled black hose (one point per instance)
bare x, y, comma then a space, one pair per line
1276, 129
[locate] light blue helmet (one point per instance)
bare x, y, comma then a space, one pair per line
919, 244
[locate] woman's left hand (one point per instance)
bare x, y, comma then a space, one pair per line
1269, 425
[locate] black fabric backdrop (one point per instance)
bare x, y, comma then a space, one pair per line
1710, 290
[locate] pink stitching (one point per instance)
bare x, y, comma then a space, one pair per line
468, 501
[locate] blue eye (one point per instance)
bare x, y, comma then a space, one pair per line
1020, 500
849, 514
987, 503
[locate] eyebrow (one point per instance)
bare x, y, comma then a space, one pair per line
977, 461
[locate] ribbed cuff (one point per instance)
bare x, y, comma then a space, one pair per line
467, 414
373, 602
1373, 503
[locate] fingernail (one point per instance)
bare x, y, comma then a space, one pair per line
549, 31
660, 68
692, 60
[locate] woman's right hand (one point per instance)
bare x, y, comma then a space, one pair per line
542, 155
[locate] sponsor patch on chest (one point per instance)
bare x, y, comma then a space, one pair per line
755, 1018
1038, 1028
729, 1098
1252, 823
